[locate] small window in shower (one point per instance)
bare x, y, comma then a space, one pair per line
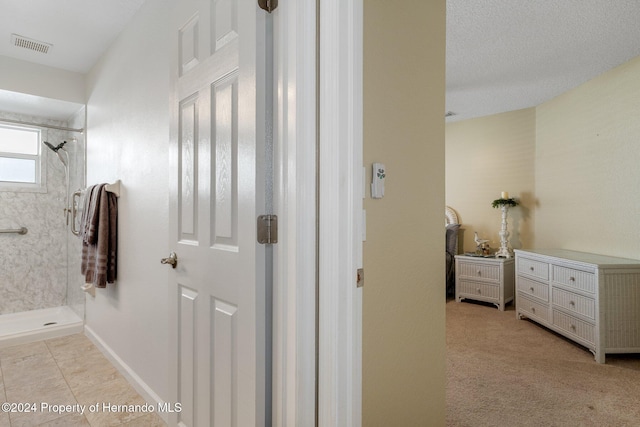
20, 159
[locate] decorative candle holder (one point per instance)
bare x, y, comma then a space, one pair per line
504, 251
504, 203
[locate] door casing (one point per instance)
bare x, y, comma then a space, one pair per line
318, 134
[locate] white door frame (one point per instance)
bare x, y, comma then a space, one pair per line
337, 211
294, 299
341, 194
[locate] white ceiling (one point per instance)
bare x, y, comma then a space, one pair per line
30, 105
502, 55
80, 32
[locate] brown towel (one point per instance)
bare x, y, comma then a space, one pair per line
99, 232
89, 219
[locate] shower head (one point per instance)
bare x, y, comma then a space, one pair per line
56, 148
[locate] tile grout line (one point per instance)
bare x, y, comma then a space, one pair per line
59, 370
64, 377
72, 390
66, 356
4, 391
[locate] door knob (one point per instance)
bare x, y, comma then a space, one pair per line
171, 260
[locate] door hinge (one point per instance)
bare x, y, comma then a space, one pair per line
268, 5
267, 229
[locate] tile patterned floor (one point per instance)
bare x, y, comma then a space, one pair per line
67, 371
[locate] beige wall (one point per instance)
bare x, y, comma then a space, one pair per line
484, 157
573, 160
404, 294
588, 166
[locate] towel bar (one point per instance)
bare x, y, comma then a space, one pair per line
114, 188
21, 230
75, 205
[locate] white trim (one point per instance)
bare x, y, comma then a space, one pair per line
295, 204
340, 347
130, 375
355, 90
340, 197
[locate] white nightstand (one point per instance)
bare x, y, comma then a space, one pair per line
485, 279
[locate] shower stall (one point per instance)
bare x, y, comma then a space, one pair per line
40, 280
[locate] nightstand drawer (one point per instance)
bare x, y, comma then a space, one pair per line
477, 270
533, 268
577, 279
533, 288
576, 303
530, 307
479, 289
574, 326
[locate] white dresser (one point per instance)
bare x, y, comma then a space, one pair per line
485, 279
591, 299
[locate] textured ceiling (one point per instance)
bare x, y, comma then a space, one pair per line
504, 55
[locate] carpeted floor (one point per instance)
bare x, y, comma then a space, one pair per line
507, 372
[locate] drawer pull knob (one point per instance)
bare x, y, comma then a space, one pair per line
531, 288
531, 268
479, 273
573, 327
479, 291
572, 279
572, 303
533, 309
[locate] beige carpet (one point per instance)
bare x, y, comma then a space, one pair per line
507, 372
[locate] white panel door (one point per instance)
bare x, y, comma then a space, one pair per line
217, 140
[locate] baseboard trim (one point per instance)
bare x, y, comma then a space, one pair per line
136, 382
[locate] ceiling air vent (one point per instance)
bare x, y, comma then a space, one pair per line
28, 43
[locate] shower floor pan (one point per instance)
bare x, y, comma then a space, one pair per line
36, 325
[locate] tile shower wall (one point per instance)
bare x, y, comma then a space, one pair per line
34, 267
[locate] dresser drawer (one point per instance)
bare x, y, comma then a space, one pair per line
479, 289
576, 279
532, 308
574, 326
533, 288
533, 268
476, 270
575, 303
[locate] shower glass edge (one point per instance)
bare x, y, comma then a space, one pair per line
78, 172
